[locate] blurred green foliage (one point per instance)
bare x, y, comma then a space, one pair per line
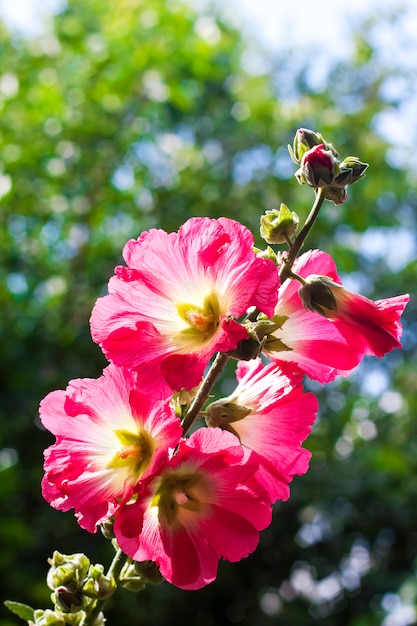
132, 115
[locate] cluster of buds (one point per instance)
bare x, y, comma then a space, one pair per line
76, 587
320, 165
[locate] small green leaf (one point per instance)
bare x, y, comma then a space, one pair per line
22, 610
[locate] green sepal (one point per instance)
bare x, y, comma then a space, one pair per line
304, 140
97, 585
133, 584
222, 412
149, 572
279, 321
268, 253
276, 345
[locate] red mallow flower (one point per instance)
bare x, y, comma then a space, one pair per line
272, 416
109, 436
206, 504
176, 303
322, 347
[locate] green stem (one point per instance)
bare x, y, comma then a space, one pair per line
302, 235
204, 391
114, 570
117, 564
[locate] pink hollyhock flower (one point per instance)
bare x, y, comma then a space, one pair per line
322, 347
177, 302
109, 436
271, 415
377, 324
205, 505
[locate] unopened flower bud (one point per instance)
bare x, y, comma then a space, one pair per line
68, 599
79, 619
107, 528
97, 585
135, 585
258, 331
149, 572
319, 167
48, 618
131, 580
337, 195
223, 412
268, 253
351, 170
304, 140
317, 295
66, 568
278, 226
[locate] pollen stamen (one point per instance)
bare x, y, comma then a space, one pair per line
202, 321
135, 454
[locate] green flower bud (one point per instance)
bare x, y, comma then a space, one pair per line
223, 412
78, 619
130, 579
337, 195
107, 528
135, 585
149, 572
279, 226
304, 140
97, 585
268, 253
351, 170
67, 599
317, 295
48, 618
66, 568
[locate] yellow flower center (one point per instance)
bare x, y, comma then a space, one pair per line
135, 454
181, 498
203, 321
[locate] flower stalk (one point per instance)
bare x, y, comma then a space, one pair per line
299, 241
119, 561
203, 393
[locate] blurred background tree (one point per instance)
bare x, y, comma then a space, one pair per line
132, 115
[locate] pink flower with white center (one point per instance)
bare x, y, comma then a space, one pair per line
322, 347
271, 415
206, 504
177, 301
109, 436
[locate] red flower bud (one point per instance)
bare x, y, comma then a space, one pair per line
319, 167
